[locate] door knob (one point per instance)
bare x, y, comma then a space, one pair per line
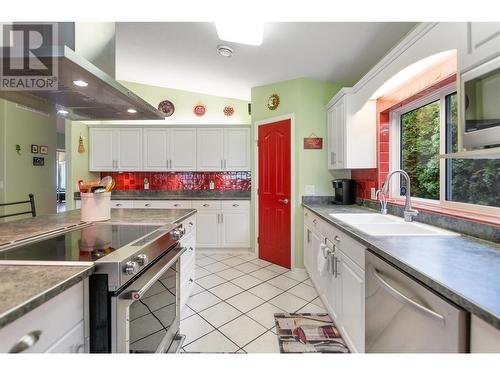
285, 201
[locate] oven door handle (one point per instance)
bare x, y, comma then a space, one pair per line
138, 294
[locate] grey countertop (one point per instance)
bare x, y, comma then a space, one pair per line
461, 268
177, 195
24, 287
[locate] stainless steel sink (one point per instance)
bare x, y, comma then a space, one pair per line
388, 225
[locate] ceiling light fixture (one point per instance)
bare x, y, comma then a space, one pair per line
62, 112
251, 33
131, 110
80, 83
225, 51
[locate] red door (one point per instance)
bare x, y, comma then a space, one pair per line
274, 193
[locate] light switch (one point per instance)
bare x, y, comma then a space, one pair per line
372, 194
310, 190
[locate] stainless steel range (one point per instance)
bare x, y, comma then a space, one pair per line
134, 292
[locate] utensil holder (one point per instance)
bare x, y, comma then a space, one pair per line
95, 206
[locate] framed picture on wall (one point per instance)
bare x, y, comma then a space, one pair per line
34, 149
44, 150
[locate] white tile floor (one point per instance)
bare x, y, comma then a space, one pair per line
232, 306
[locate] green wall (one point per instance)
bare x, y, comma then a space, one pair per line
306, 99
184, 102
25, 127
77, 165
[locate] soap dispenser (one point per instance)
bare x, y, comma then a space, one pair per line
211, 185
146, 183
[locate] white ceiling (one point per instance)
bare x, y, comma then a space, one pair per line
183, 55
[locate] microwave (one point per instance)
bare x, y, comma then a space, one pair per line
481, 105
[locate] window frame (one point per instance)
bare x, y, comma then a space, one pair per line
395, 153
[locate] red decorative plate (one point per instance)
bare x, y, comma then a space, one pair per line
167, 107
229, 110
199, 110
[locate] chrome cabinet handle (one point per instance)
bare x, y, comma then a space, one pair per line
221, 218
337, 238
402, 298
308, 236
118, 204
147, 205
336, 262
191, 224
315, 221
236, 205
206, 205
285, 201
222, 164
26, 342
176, 205
191, 280
218, 218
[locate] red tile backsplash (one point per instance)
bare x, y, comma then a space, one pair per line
181, 180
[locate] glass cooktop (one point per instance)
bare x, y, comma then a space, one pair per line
85, 244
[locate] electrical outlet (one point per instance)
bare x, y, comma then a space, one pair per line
373, 194
310, 190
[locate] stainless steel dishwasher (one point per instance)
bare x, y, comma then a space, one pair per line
403, 316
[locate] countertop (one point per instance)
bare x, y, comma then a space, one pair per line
461, 268
177, 195
25, 287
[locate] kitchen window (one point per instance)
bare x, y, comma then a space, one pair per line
420, 132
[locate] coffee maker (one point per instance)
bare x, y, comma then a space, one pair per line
344, 191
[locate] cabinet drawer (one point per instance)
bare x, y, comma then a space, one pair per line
207, 205
178, 204
347, 245
122, 204
189, 225
235, 205
72, 342
54, 319
150, 204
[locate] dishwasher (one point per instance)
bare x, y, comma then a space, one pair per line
403, 316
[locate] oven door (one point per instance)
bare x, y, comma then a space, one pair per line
145, 314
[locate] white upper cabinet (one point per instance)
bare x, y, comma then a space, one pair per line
183, 150
156, 150
169, 149
352, 133
101, 150
237, 149
129, 157
482, 42
115, 149
210, 149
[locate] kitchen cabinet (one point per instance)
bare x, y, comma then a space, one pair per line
56, 326
235, 225
188, 260
224, 149
352, 137
169, 149
115, 149
210, 146
208, 232
335, 264
237, 149
156, 149
183, 150
480, 44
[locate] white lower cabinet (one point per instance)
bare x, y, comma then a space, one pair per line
235, 229
335, 264
207, 231
56, 326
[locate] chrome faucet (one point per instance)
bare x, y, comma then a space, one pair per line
409, 213
383, 201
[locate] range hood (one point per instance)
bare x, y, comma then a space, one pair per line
102, 99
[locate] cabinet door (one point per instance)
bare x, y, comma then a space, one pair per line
210, 150
336, 124
183, 149
307, 249
235, 229
316, 242
352, 303
156, 147
332, 293
101, 150
237, 149
207, 229
480, 43
129, 149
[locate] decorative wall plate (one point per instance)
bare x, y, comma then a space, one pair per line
228, 110
167, 107
199, 110
273, 102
